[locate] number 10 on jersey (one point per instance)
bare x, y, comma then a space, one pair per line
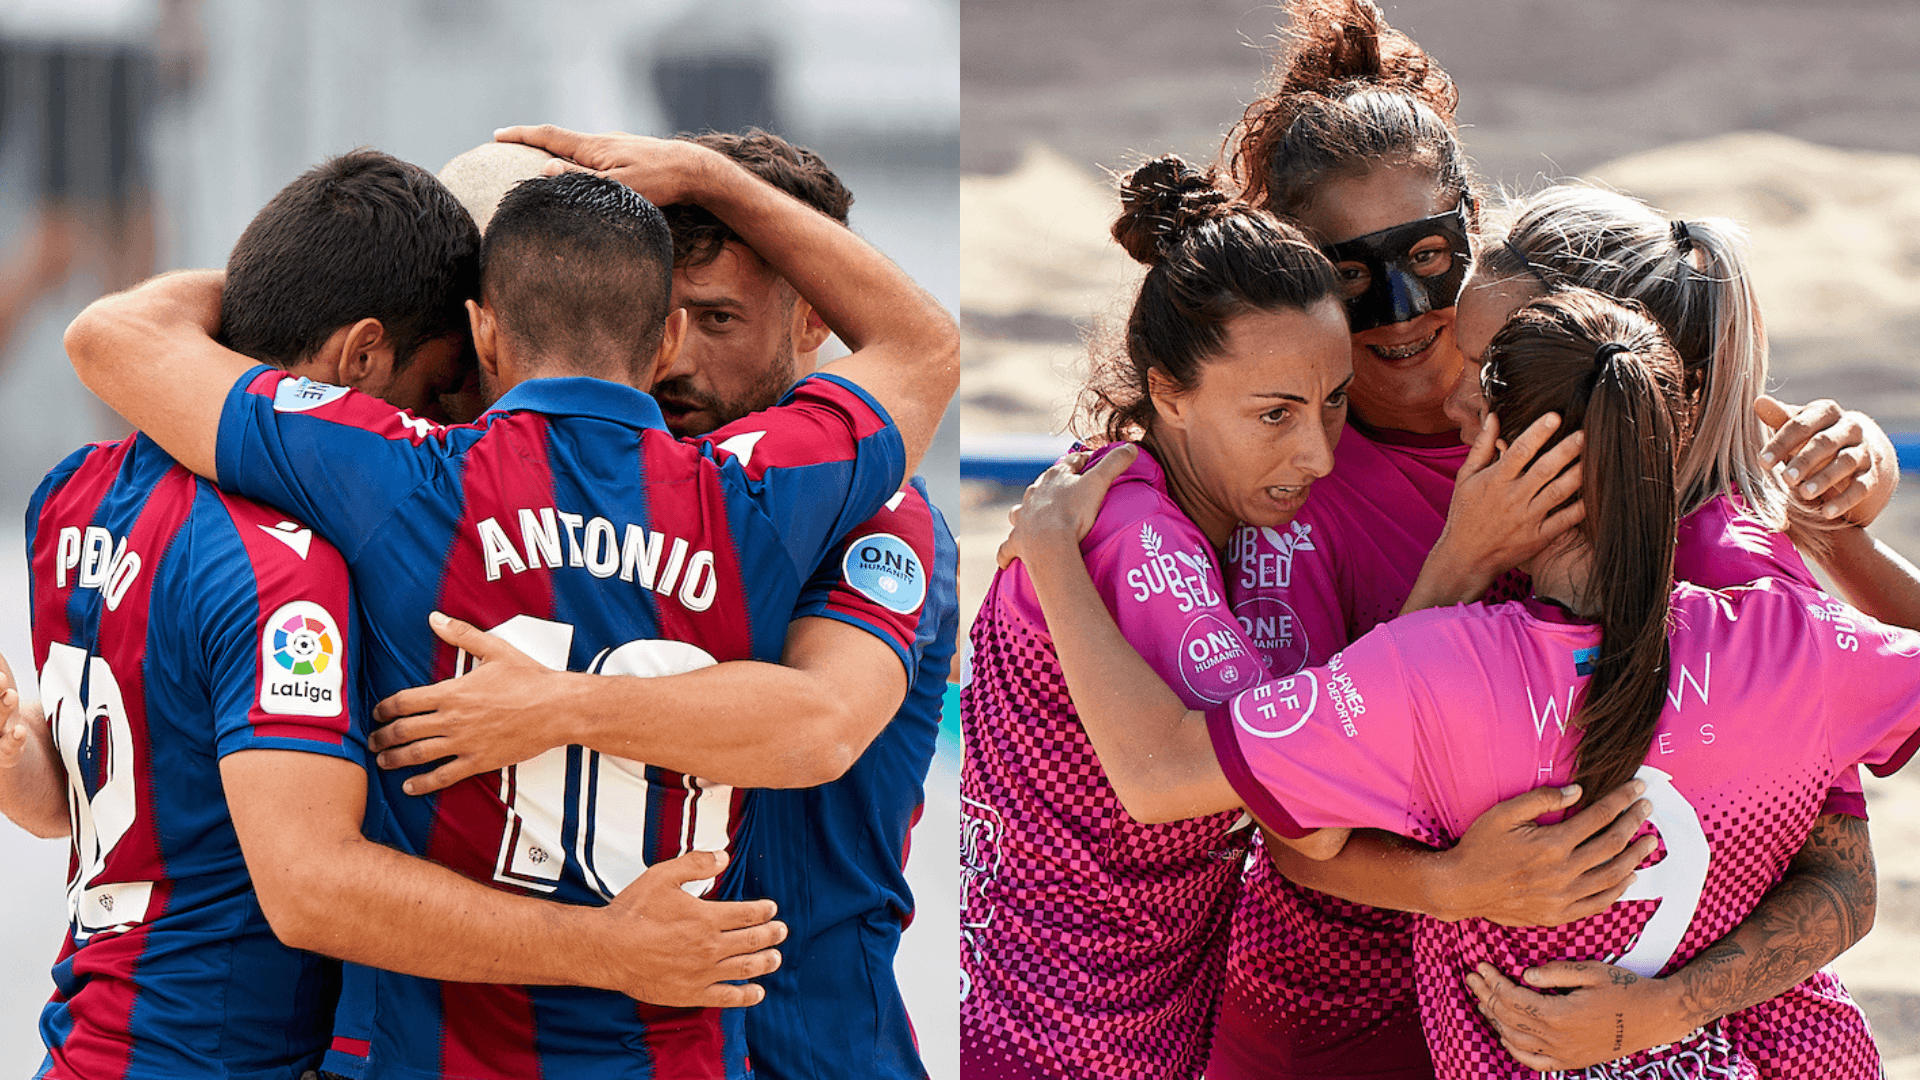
601, 810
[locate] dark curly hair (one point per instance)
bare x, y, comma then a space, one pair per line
698, 236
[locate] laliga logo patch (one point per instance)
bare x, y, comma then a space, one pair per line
301, 674
299, 395
883, 568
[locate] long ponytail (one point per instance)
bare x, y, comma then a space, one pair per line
1608, 371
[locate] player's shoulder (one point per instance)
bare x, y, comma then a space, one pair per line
817, 422
1138, 504
270, 538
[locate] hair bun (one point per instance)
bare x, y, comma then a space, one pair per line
1159, 202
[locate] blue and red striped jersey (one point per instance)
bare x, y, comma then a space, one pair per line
570, 521
834, 856
174, 625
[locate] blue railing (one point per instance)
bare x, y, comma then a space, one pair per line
1015, 459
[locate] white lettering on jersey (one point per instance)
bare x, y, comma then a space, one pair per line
553, 538
1551, 712
1269, 566
1683, 678
1182, 574
1263, 710
298, 539
95, 741
101, 561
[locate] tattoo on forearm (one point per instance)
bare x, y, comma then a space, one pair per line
1622, 977
1822, 906
1619, 1032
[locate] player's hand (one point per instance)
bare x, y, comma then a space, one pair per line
15, 734
1506, 501
1835, 459
495, 715
1610, 1013
1513, 871
663, 171
1062, 505
665, 947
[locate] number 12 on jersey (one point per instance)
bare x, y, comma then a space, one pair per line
603, 811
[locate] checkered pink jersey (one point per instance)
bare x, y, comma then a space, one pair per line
1776, 689
1093, 945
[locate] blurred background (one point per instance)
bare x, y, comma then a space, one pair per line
140, 135
1798, 119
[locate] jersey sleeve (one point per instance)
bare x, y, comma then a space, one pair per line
326, 454
1158, 577
1871, 674
880, 577
1337, 745
816, 465
276, 631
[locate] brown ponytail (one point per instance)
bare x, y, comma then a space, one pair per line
1608, 370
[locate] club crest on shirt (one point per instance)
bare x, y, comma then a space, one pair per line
299, 395
884, 569
300, 663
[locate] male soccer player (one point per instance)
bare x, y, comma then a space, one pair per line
572, 523
196, 652
831, 856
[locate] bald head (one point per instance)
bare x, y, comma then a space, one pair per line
480, 177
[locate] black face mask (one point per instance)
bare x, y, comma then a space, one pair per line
1395, 290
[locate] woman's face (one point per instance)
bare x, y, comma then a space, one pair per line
1260, 424
1402, 372
1485, 306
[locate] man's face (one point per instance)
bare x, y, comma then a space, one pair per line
738, 356
441, 382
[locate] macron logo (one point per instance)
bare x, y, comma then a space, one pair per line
741, 445
294, 536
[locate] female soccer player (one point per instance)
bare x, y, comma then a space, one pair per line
1609, 672
1094, 945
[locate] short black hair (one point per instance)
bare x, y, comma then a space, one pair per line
579, 268
698, 235
362, 235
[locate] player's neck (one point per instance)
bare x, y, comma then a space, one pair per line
1562, 573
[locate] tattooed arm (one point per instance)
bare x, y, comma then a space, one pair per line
1821, 907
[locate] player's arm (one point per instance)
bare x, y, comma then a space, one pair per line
1507, 868
905, 345
33, 782
798, 723
149, 353
1874, 577
1154, 750
326, 888
1821, 907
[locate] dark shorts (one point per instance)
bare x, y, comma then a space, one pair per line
81, 111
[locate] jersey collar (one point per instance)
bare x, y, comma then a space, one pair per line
580, 396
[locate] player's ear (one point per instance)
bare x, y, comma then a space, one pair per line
1169, 401
809, 329
365, 356
486, 343
672, 337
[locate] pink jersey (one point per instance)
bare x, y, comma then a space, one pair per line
1317, 985
1410, 730
1093, 945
